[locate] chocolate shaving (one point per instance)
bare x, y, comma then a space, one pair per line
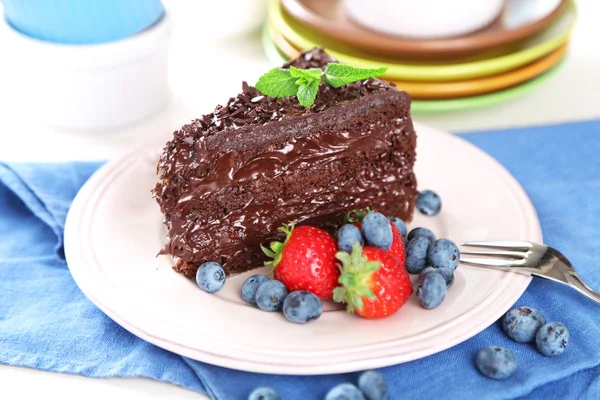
253, 108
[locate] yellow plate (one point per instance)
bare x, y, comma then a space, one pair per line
448, 90
527, 51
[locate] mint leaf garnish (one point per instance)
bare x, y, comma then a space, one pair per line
341, 74
304, 83
311, 73
307, 93
308, 84
278, 82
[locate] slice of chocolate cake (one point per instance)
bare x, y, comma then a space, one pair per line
229, 179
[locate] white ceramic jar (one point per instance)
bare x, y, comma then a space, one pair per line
426, 19
89, 87
210, 19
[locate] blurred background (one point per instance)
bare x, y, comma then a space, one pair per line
89, 80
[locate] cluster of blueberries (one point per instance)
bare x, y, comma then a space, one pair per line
523, 325
434, 260
268, 294
371, 386
299, 306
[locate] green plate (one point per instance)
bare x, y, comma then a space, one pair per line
527, 51
432, 106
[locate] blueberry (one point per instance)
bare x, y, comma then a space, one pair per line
431, 290
263, 393
449, 280
344, 391
444, 254
347, 236
425, 272
552, 339
399, 224
377, 230
421, 232
374, 386
428, 202
496, 362
521, 324
210, 276
447, 273
416, 254
270, 295
250, 287
302, 306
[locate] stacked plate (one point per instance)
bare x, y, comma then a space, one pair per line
516, 52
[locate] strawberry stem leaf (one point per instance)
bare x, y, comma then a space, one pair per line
268, 252
339, 294
371, 266
276, 251
344, 258
277, 247
356, 216
356, 279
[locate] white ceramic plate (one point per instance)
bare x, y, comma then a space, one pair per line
114, 232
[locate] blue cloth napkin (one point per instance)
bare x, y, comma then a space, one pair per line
47, 323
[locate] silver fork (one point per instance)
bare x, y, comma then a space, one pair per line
529, 259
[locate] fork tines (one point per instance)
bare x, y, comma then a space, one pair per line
509, 253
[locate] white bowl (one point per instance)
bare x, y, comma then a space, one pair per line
222, 19
89, 87
424, 18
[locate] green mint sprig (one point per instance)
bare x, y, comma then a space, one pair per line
341, 74
304, 83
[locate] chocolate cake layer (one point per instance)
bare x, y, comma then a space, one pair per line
231, 178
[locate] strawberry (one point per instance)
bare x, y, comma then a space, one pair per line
305, 260
397, 247
374, 283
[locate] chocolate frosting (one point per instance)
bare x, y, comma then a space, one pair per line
230, 179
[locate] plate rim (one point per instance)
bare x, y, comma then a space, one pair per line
74, 254
381, 44
445, 72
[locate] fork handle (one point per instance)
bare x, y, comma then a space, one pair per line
577, 283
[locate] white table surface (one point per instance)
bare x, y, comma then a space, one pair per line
572, 94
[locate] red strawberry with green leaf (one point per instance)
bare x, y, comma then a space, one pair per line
397, 248
305, 260
374, 283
